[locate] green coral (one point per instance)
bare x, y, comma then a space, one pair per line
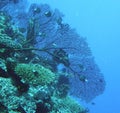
3, 21
66, 105
7, 42
35, 74
8, 33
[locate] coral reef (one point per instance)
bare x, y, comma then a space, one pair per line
90, 81
8, 33
27, 102
66, 105
43, 61
35, 74
63, 45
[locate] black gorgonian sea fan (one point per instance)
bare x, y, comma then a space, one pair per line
64, 45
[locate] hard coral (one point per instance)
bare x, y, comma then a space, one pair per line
35, 74
8, 33
66, 105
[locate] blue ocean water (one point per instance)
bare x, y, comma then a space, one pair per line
99, 21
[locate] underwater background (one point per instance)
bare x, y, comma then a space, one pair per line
53, 78
99, 21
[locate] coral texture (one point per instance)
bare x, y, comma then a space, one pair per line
35, 74
63, 45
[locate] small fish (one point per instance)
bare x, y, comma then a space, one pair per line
37, 10
48, 14
93, 103
54, 45
83, 78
